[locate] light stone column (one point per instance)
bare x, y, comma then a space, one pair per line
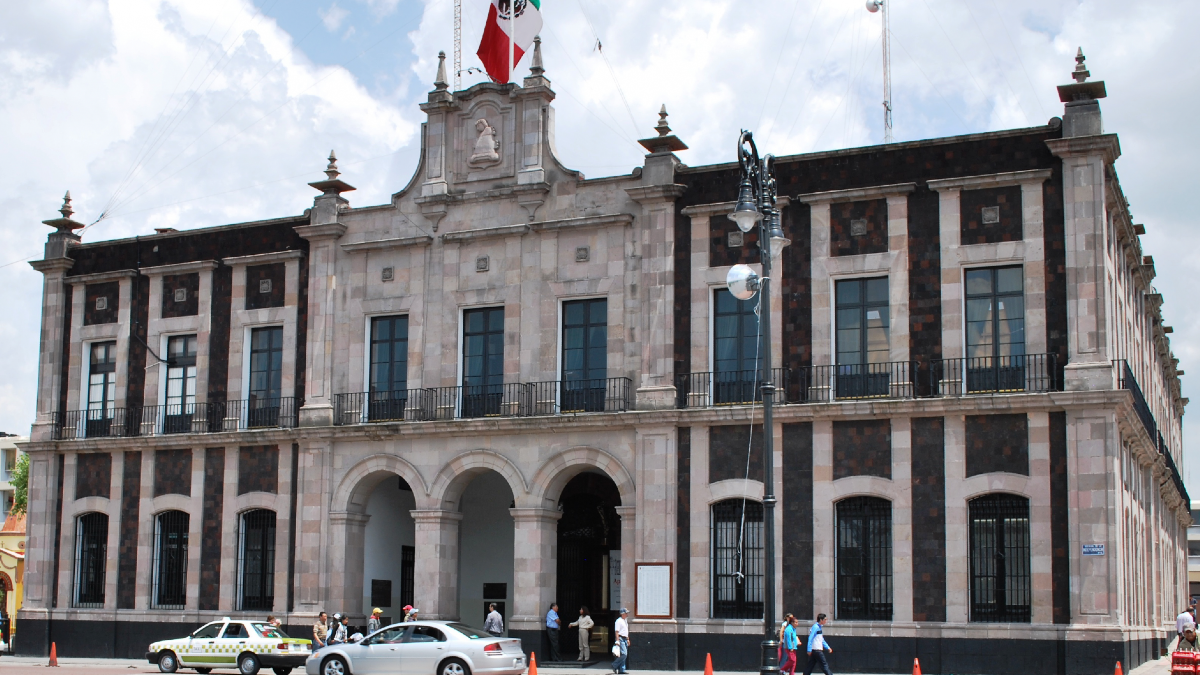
348, 533
824, 574
902, 521
435, 573
535, 565
1091, 468
322, 288
1041, 553
313, 524
54, 314
958, 564
628, 515
39, 541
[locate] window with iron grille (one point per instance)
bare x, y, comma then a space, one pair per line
737, 559
864, 559
91, 553
1000, 568
256, 560
584, 354
735, 349
170, 559
408, 559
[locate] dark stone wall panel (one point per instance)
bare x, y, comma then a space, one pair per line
301, 333
111, 292
843, 241
862, 448
727, 446
1056, 269
58, 510
796, 510
258, 469
975, 231
136, 365
924, 283
218, 337
258, 275
929, 518
93, 475
64, 375
682, 310
172, 472
1060, 545
210, 529
683, 524
131, 493
997, 443
189, 284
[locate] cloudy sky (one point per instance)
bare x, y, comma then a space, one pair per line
178, 113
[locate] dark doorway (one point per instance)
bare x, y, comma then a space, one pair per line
589, 533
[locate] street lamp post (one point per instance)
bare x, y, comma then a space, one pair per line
756, 206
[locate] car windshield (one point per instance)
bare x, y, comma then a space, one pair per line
473, 633
209, 631
268, 631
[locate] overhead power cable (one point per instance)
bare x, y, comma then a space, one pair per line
937, 90
778, 58
833, 41
792, 77
611, 72
1008, 34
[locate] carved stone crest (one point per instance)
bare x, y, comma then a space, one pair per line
486, 145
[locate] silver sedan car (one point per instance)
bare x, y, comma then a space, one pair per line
421, 648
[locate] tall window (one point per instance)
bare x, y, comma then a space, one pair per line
1000, 574
256, 560
584, 355
863, 348
737, 559
995, 329
170, 559
864, 559
181, 384
102, 388
266, 376
735, 349
389, 368
483, 361
91, 552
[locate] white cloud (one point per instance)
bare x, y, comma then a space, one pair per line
333, 17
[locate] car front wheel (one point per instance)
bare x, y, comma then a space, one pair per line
334, 665
168, 662
248, 664
454, 667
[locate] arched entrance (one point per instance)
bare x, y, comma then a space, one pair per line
389, 549
485, 556
589, 556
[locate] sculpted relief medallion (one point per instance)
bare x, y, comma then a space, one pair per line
486, 145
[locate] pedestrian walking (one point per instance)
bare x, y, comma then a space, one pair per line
790, 643
412, 614
553, 623
1187, 641
1184, 618
375, 622
782, 655
494, 623
320, 631
337, 632
817, 647
584, 624
622, 630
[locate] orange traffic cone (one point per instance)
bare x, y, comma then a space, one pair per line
1118, 669
532, 663
708, 665
916, 666
54, 656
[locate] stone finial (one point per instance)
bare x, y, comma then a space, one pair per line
66, 209
535, 67
1081, 72
331, 171
662, 127
439, 83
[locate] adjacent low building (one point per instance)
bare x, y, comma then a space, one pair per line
513, 384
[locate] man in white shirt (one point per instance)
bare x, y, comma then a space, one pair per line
494, 623
1184, 618
622, 631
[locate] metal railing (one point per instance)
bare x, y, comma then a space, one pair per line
96, 423
408, 405
577, 396
191, 418
826, 384
993, 375
1127, 381
732, 387
478, 400
258, 413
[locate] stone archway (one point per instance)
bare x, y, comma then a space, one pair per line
554, 474
447, 487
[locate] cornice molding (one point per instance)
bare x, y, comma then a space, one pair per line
991, 180
622, 219
485, 233
323, 231
857, 194
115, 275
386, 244
1105, 145
180, 268
263, 258
725, 208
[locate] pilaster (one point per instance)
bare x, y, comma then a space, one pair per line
535, 547
435, 572
50, 363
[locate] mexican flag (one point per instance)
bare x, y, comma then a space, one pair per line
502, 34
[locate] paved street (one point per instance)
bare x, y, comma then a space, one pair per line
31, 666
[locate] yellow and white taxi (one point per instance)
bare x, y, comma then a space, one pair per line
242, 645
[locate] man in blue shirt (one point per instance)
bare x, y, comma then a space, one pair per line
817, 647
552, 625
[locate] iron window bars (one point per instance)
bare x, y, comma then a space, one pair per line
170, 559
737, 571
91, 553
864, 559
256, 560
1000, 559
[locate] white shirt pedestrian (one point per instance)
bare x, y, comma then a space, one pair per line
1184, 618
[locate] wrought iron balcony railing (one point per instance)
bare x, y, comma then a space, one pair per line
1127, 381
71, 425
993, 375
259, 413
578, 396
730, 387
848, 382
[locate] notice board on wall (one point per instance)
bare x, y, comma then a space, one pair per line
652, 583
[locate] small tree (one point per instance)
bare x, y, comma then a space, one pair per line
19, 479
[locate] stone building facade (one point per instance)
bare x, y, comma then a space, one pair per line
513, 384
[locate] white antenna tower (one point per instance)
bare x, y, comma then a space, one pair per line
872, 7
457, 45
